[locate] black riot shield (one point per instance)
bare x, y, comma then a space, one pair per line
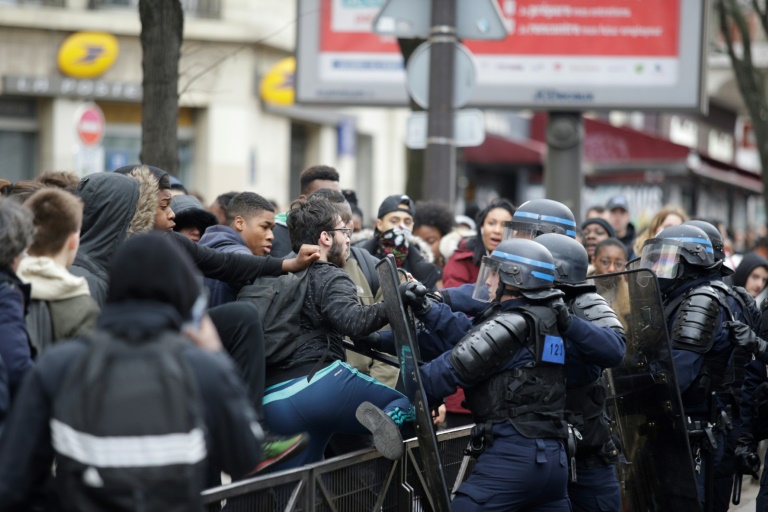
644, 401
404, 333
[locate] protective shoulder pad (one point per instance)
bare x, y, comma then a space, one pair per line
593, 308
489, 346
696, 319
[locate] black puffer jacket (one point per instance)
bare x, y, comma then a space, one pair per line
331, 301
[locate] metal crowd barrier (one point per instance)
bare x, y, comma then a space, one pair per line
356, 482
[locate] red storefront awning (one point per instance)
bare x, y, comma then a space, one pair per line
620, 150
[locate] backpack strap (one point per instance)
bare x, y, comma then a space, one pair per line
367, 266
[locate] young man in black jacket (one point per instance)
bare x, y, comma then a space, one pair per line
314, 390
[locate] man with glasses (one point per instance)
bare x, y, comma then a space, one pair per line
314, 390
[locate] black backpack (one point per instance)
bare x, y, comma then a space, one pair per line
127, 428
280, 301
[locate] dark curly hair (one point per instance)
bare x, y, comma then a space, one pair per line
307, 219
435, 214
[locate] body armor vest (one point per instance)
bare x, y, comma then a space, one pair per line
694, 329
533, 397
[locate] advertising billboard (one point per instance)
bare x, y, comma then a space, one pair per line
558, 55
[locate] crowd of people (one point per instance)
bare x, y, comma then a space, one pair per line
141, 358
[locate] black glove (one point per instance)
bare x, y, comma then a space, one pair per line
414, 294
746, 460
563, 315
744, 337
365, 344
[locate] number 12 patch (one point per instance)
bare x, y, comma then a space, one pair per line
554, 350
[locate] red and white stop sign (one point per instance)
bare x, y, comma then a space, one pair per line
90, 124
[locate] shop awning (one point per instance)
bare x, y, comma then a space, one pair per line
499, 150
615, 151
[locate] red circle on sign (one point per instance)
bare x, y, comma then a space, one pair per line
90, 125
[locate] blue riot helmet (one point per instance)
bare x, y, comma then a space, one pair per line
518, 263
678, 254
717, 243
571, 258
539, 216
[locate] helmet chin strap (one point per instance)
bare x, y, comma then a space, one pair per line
500, 291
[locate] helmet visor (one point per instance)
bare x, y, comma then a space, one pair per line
516, 229
662, 257
532, 229
488, 281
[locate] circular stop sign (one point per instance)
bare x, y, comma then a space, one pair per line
90, 124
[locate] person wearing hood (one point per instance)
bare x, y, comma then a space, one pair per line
752, 273
393, 235
117, 207
153, 289
61, 305
191, 218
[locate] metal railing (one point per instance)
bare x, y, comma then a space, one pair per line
196, 8
357, 482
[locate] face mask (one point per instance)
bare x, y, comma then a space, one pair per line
395, 241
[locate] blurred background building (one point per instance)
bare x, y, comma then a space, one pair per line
234, 137
229, 139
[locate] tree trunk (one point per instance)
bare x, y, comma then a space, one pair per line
750, 79
162, 25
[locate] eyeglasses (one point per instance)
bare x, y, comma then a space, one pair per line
605, 262
347, 231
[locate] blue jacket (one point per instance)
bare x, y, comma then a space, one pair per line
438, 376
223, 239
15, 350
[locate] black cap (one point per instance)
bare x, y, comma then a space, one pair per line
397, 202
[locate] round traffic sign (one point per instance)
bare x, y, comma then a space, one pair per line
89, 123
464, 75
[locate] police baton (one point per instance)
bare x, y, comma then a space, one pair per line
736, 498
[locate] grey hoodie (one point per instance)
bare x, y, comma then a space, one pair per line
115, 207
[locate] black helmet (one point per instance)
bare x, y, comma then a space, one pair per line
571, 259
520, 263
717, 242
539, 216
676, 251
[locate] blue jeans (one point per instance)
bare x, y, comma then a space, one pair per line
326, 406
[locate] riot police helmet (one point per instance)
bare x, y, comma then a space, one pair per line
717, 243
539, 216
677, 254
520, 264
571, 259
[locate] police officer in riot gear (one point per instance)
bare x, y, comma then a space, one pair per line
588, 352
511, 365
742, 309
682, 258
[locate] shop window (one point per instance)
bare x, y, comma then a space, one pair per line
19, 150
120, 150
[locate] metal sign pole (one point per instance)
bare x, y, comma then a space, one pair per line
440, 168
563, 179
